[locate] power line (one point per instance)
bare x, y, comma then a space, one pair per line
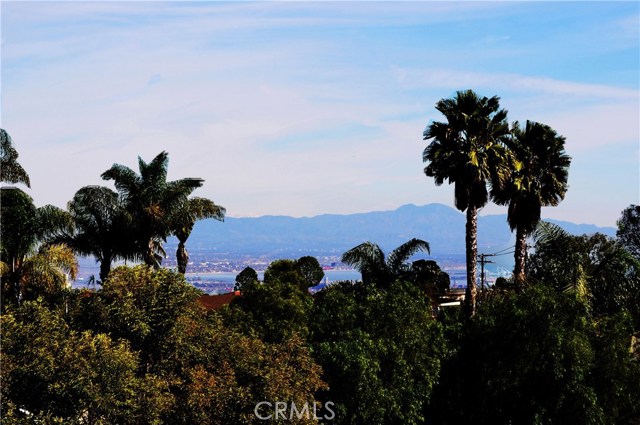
482, 262
505, 249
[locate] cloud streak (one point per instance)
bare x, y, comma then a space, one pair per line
294, 108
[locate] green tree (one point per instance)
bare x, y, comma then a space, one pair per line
214, 373
101, 224
538, 357
380, 351
467, 151
141, 305
629, 230
369, 259
310, 270
152, 201
538, 179
54, 374
183, 219
248, 276
10, 170
276, 309
596, 267
29, 265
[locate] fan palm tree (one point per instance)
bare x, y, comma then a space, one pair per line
183, 220
369, 260
10, 170
151, 200
538, 179
467, 151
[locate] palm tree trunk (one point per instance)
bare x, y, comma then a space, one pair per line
520, 255
105, 268
150, 258
182, 258
472, 252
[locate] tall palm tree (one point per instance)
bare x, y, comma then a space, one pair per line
369, 260
151, 200
101, 225
10, 170
467, 151
183, 220
538, 179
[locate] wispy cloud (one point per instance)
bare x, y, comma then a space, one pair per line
439, 78
298, 108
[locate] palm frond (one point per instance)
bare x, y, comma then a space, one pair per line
363, 254
10, 170
126, 181
548, 233
404, 252
47, 270
52, 222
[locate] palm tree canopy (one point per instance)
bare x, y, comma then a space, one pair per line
101, 221
467, 149
10, 170
539, 175
369, 259
149, 191
23, 226
47, 270
152, 201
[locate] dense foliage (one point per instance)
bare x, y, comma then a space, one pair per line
380, 351
142, 350
540, 358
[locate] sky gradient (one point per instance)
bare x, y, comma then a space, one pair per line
314, 107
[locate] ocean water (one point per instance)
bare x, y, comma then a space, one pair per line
221, 282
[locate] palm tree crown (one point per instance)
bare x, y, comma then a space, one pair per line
183, 220
467, 150
369, 260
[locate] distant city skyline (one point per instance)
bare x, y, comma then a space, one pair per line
307, 108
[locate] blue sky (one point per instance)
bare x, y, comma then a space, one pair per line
314, 107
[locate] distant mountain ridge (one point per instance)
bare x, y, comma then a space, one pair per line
442, 226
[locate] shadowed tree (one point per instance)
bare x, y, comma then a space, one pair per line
467, 151
310, 270
629, 230
101, 227
248, 276
183, 220
152, 201
369, 260
538, 179
10, 170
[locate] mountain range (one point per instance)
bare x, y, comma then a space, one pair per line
332, 234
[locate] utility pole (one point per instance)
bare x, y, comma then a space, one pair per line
482, 262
